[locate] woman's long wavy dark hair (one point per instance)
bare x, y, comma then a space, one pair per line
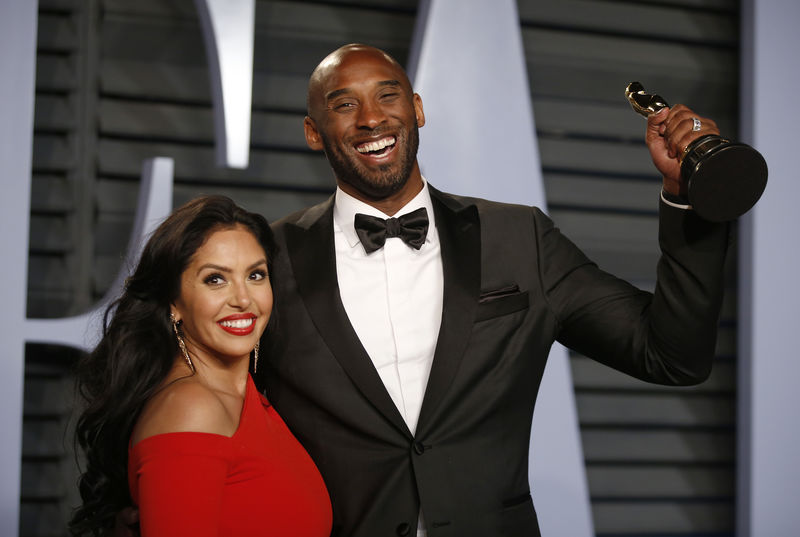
137, 350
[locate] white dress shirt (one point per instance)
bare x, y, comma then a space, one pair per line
393, 299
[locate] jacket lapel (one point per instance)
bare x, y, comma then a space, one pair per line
314, 268
459, 236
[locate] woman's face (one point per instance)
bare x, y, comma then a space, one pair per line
225, 296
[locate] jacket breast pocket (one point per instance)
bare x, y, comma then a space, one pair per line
499, 302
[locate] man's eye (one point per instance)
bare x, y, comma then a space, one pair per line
344, 106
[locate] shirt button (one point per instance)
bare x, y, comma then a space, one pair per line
403, 529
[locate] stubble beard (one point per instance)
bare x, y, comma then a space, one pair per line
374, 185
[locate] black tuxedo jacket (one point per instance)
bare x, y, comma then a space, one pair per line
513, 284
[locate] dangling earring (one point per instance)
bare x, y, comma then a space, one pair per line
255, 356
181, 343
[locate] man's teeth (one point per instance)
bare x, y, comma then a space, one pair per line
376, 146
238, 323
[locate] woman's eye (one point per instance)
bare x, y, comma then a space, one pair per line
258, 275
214, 279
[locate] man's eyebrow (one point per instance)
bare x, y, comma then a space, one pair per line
336, 93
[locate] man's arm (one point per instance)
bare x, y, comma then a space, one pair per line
667, 337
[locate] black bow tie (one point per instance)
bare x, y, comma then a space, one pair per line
412, 228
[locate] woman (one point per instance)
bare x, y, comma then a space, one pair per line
173, 422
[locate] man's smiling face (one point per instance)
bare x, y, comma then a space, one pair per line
364, 115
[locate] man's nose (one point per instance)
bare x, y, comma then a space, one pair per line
370, 114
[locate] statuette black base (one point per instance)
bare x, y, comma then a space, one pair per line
725, 179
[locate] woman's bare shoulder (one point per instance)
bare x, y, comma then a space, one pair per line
183, 405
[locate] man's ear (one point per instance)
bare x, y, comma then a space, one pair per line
313, 139
418, 111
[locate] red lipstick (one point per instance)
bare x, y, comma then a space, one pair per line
238, 324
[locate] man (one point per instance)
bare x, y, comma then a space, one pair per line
410, 371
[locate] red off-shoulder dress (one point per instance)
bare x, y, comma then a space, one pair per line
258, 483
